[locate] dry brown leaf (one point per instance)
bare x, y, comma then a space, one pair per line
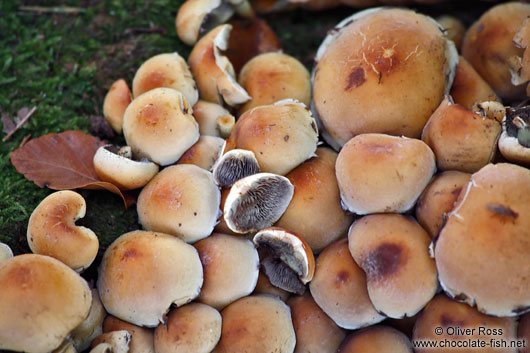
63, 161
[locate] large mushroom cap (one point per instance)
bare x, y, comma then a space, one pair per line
41, 301
482, 251
143, 273
376, 339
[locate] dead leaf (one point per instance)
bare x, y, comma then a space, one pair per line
63, 161
7, 124
10, 126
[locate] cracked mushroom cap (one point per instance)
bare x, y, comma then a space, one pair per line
142, 338
392, 55
514, 142
52, 230
5, 252
258, 323
166, 70
376, 339
482, 251
116, 101
182, 200
393, 251
230, 265
469, 88
381, 173
41, 300
339, 288
204, 153
213, 119
142, 273
158, 125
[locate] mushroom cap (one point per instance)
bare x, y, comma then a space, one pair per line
282, 135
339, 288
315, 211
393, 251
52, 230
230, 265
194, 327
442, 312
192, 16
142, 273
118, 340
523, 331
166, 70
158, 125
41, 300
381, 173
5, 252
482, 251
258, 323
208, 115
469, 87
234, 165
91, 327
125, 173
182, 200
389, 55
315, 331
142, 338
102, 348
376, 339
271, 77
455, 29
512, 150
204, 152
514, 142
116, 101
438, 199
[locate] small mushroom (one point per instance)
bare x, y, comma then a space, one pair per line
91, 327
376, 339
455, 29
102, 348
118, 340
514, 142
116, 101
204, 153
52, 230
213, 119
142, 338
234, 165
5, 253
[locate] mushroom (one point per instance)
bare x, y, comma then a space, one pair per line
182, 200
393, 251
339, 288
66, 347
389, 55
222, 227
118, 341
117, 167
158, 125
230, 266
234, 165
91, 327
382, 173
116, 101
166, 70
213, 119
454, 28
52, 230
258, 323
264, 286
42, 300
102, 348
194, 327
213, 71
482, 251
142, 273
376, 339
282, 135
523, 331
5, 252
141, 340
204, 152
256, 202
514, 142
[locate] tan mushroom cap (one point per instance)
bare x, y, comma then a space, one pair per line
482, 251
315, 211
259, 323
118, 340
204, 152
389, 55
52, 230
376, 339
315, 331
469, 87
230, 266
455, 29
381, 173
339, 288
142, 338
158, 125
166, 70
66, 347
213, 119
193, 328
143, 273
264, 286
523, 331
271, 77
449, 315
5, 252
512, 150
213, 71
282, 135
116, 101
393, 251
125, 173
182, 200
438, 199
91, 327
191, 17
42, 300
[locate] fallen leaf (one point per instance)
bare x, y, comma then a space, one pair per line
21, 114
7, 124
63, 161
10, 126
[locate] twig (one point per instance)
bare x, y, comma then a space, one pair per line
24, 140
19, 125
56, 9
138, 30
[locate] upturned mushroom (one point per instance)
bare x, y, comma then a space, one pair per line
234, 165
116, 101
514, 142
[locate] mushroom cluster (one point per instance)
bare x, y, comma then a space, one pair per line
256, 239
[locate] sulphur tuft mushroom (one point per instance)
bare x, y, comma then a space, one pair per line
116, 102
234, 165
213, 119
91, 327
204, 153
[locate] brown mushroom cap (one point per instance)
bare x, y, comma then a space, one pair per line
258, 323
52, 230
393, 251
482, 251
456, 318
182, 200
41, 300
143, 273
376, 339
210, 117
142, 339
438, 199
230, 266
315, 331
116, 101
204, 152
339, 288
193, 328
382, 173
469, 87
193, 15
91, 327
389, 55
